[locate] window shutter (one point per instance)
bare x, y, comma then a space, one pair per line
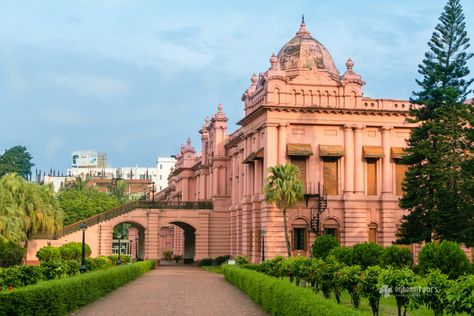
330, 176
371, 177
300, 162
400, 170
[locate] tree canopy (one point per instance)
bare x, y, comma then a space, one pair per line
81, 203
284, 188
16, 159
27, 209
439, 185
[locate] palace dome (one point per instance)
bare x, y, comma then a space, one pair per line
305, 52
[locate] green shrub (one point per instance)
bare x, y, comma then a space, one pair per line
323, 245
446, 256
432, 291
220, 260
73, 251
60, 297
396, 256
328, 277
48, 253
177, 258
205, 262
280, 297
250, 266
272, 267
123, 259
10, 254
398, 281
101, 262
167, 254
241, 260
350, 277
366, 254
461, 296
342, 254
51, 270
369, 286
19, 276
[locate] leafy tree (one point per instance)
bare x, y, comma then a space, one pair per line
119, 189
460, 296
11, 254
439, 185
27, 209
397, 282
447, 256
80, 204
432, 291
323, 245
370, 287
16, 160
284, 188
351, 279
396, 256
366, 254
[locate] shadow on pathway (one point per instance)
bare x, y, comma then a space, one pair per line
175, 290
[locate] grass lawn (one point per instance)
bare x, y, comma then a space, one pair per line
214, 269
388, 306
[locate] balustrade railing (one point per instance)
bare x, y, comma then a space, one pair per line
128, 207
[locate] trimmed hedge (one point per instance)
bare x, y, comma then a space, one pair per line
59, 297
280, 297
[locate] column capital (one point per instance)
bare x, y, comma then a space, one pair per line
347, 127
282, 125
271, 125
359, 128
386, 129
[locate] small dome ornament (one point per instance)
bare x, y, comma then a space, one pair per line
349, 64
273, 62
219, 107
253, 79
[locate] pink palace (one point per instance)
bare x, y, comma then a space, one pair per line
347, 147
304, 111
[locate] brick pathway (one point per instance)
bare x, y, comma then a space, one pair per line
175, 290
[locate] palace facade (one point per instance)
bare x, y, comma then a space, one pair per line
302, 110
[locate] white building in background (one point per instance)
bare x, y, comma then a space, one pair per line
90, 163
163, 167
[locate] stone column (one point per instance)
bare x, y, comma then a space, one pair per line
271, 142
185, 189
281, 143
386, 166
358, 161
348, 160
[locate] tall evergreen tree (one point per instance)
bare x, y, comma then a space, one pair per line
439, 184
16, 160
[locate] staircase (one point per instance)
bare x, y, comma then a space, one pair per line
126, 208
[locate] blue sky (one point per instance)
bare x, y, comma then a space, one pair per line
135, 78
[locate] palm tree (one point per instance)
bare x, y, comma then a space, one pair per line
284, 188
27, 209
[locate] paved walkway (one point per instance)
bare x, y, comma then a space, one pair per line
175, 290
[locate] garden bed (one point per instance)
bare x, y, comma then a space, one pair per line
61, 296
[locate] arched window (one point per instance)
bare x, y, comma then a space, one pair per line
373, 232
276, 91
299, 235
331, 227
294, 96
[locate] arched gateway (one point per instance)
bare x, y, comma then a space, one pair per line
183, 227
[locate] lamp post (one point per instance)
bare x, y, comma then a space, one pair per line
119, 236
153, 189
263, 232
83, 268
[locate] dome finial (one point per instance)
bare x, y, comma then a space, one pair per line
303, 31
349, 64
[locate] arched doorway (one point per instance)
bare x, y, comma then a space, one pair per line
132, 240
180, 237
